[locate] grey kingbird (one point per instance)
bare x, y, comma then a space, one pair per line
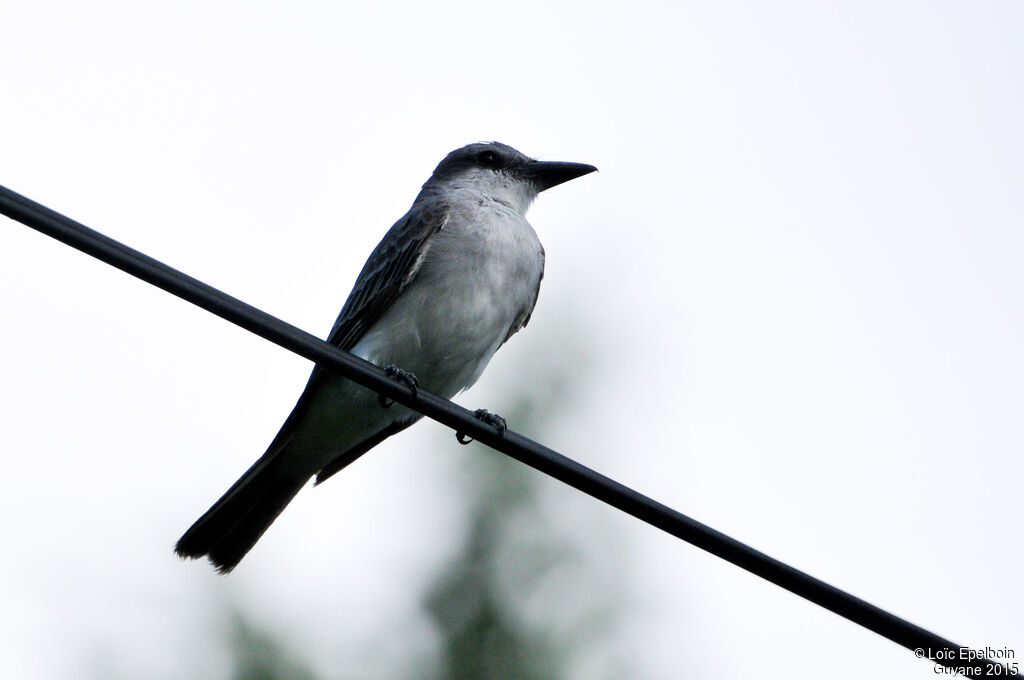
450, 282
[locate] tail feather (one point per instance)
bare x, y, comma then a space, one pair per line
229, 529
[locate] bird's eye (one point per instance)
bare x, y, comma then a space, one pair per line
488, 159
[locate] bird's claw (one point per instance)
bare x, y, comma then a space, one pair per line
486, 416
398, 375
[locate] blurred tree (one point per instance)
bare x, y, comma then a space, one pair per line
256, 655
522, 598
483, 636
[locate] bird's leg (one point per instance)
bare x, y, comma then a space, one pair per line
398, 375
487, 417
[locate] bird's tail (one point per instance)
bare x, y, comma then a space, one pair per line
229, 529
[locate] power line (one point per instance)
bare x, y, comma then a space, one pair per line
924, 643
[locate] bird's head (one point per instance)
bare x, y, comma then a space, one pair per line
502, 173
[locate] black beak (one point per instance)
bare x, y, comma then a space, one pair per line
547, 174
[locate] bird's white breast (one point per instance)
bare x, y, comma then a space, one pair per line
478, 280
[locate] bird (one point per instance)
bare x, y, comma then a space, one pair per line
450, 283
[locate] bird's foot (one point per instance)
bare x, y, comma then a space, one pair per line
398, 375
487, 417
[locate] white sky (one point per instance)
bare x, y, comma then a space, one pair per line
798, 275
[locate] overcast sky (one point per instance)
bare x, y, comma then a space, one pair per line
795, 287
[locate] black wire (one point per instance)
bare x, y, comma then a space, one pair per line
924, 643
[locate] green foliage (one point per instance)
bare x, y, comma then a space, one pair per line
258, 656
483, 636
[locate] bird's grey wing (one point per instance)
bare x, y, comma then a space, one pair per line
342, 460
390, 268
